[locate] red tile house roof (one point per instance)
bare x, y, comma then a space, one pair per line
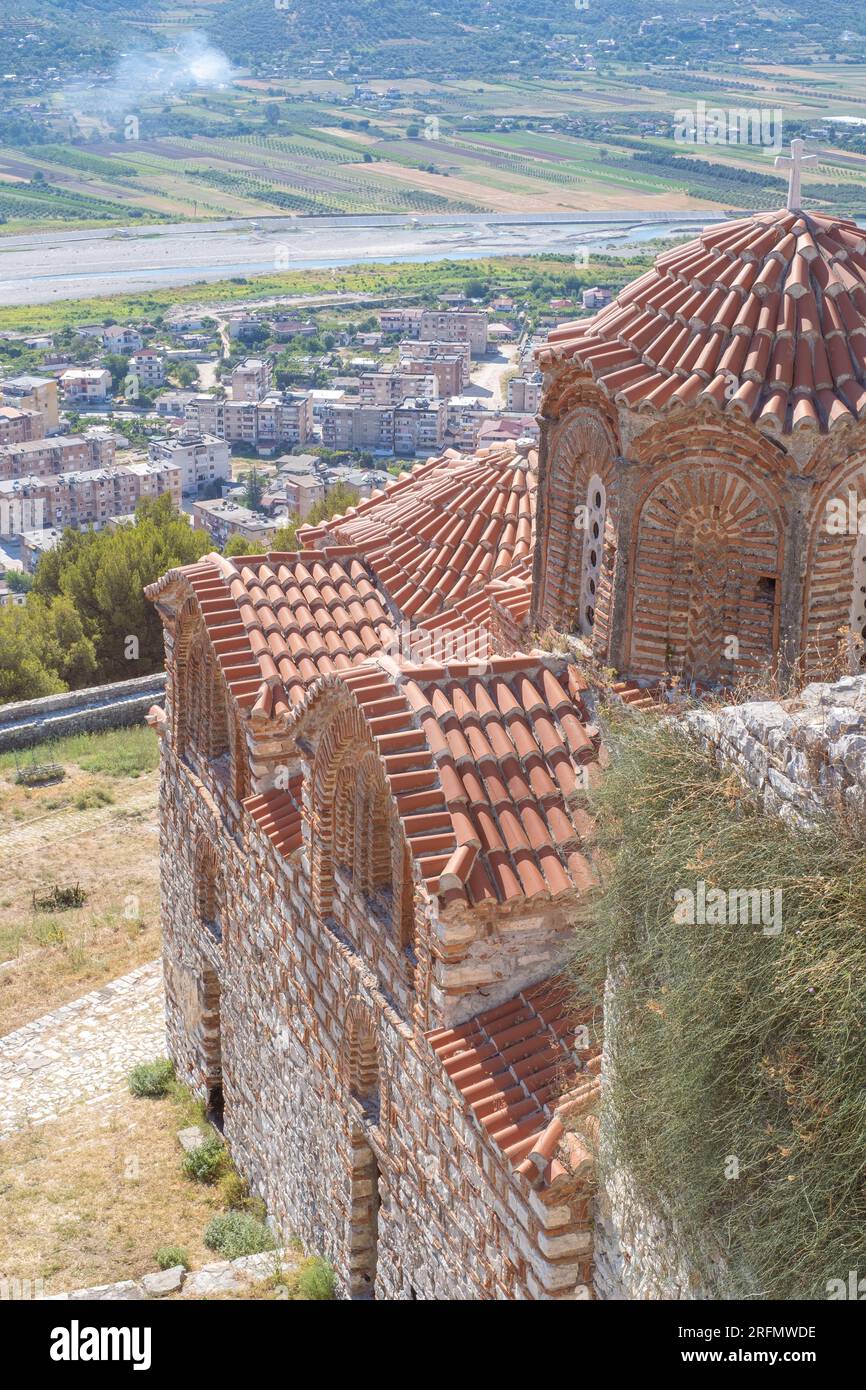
764, 317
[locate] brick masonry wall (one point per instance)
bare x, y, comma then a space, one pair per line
99, 707
288, 996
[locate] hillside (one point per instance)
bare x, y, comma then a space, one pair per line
447, 37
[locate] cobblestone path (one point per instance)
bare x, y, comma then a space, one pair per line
82, 1051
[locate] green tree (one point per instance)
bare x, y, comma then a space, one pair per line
43, 649
286, 538
239, 545
339, 500
185, 374
103, 575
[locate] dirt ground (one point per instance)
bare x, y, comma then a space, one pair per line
101, 832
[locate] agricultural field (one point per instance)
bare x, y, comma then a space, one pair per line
591, 141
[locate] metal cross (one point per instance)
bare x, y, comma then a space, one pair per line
795, 164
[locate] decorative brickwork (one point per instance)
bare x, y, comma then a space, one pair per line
718, 408
410, 854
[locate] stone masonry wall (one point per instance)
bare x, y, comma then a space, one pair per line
112, 706
804, 756
292, 998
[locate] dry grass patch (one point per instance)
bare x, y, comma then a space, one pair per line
98, 827
89, 1199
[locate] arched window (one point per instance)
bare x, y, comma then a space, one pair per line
362, 1065
208, 889
345, 799
593, 516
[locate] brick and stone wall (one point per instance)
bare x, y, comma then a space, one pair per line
394, 1182
99, 707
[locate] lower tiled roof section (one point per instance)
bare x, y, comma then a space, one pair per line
519, 1064
277, 813
439, 535
487, 767
280, 622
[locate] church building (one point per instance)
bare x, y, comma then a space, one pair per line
377, 753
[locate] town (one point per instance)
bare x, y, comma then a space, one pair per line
249, 421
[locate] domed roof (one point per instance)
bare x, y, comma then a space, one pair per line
764, 317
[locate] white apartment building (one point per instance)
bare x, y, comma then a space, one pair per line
85, 384
524, 394
201, 458
148, 366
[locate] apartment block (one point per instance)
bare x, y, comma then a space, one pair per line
148, 366
456, 326
201, 458
358, 427
449, 370
419, 427
34, 393
431, 351
20, 426
251, 379
406, 321
390, 388
524, 394
83, 499
280, 418
63, 453
225, 518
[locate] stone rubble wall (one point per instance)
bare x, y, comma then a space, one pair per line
804, 757
222, 1276
113, 706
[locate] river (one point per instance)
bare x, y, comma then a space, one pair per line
43, 267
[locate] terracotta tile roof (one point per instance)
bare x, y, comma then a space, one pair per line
486, 769
278, 623
765, 317
516, 1066
277, 814
437, 537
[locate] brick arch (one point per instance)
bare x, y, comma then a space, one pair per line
582, 448
706, 565
204, 717
355, 821
208, 895
361, 1053
835, 565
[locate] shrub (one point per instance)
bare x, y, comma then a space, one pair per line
234, 1191
316, 1280
152, 1078
206, 1161
168, 1256
726, 1039
236, 1233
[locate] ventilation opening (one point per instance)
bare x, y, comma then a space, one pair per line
214, 1110
767, 588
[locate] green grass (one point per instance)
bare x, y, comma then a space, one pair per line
116, 753
735, 1088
